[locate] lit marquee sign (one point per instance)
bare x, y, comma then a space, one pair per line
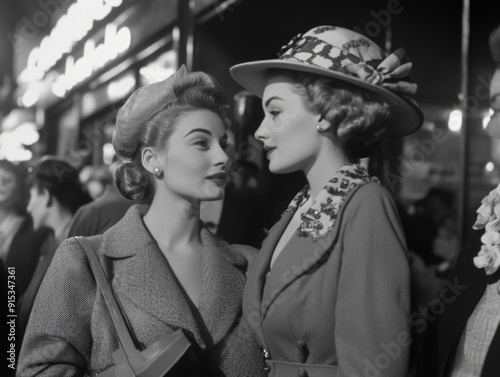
70, 29
94, 57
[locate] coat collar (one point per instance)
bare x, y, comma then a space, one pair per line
142, 274
310, 245
321, 217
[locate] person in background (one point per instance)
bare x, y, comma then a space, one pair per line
95, 180
462, 337
56, 194
19, 242
428, 215
329, 294
168, 271
101, 214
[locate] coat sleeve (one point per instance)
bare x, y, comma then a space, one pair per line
58, 337
372, 331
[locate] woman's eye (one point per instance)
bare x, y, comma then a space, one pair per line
202, 143
274, 113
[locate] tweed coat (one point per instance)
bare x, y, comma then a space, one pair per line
337, 305
70, 331
463, 289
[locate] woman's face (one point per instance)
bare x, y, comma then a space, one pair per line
8, 186
194, 159
288, 131
37, 207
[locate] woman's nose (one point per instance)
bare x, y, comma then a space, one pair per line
262, 132
221, 158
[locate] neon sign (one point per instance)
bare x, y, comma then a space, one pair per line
70, 29
94, 57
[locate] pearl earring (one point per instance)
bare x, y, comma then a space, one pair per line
319, 126
157, 171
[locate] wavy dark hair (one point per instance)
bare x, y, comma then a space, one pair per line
356, 115
62, 182
21, 193
194, 91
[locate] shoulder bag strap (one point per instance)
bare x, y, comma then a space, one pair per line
128, 348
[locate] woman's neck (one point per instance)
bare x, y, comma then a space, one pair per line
174, 222
328, 162
4, 212
59, 222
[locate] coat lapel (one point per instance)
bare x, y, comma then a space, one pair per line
223, 281
141, 274
252, 305
303, 251
136, 262
302, 254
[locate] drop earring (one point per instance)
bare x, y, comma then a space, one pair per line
321, 127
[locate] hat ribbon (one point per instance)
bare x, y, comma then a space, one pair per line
389, 74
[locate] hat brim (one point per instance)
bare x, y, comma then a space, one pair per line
405, 116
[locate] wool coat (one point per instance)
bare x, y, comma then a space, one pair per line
337, 305
444, 322
70, 332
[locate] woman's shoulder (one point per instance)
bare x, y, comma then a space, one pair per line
71, 253
373, 188
371, 194
370, 199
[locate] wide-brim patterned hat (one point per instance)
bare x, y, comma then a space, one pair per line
348, 56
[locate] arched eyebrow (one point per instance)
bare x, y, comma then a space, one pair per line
270, 99
204, 130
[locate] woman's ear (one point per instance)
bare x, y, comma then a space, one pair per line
322, 124
46, 197
150, 161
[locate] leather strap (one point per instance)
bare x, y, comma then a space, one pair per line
128, 348
162, 358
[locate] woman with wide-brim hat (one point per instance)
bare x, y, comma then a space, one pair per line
329, 294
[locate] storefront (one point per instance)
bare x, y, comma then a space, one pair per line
96, 54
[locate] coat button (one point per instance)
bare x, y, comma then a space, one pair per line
302, 373
266, 354
302, 351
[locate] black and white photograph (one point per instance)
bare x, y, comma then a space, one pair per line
250, 188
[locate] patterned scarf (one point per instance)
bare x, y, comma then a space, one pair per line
321, 217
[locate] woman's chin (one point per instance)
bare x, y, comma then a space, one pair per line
281, 169
214, 194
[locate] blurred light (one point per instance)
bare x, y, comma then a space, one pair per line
11, 147
487, 118
429, 126
107, 153
490, 166
455, 120
27, 133
30, 97
94, 57
17, 117
19, 155
120, 88
69, 29
160, 69
176, 34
